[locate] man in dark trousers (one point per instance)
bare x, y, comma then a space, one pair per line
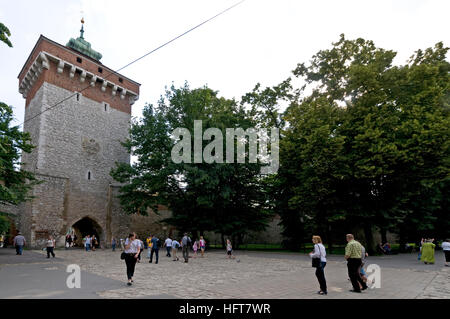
155, 249
186, 243
19, 242
353, 254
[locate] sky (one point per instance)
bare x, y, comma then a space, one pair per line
257, 41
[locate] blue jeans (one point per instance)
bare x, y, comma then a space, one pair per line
114, 247
88, 246
19, 249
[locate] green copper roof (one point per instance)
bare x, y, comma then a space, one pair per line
81, 45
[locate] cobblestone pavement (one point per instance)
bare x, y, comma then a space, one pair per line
260, 275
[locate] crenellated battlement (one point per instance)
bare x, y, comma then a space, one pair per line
69, 69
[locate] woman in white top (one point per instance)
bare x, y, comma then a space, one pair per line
132, 248
319, 252
446, 248
50, 246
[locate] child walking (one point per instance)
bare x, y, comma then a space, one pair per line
202, 243
229, 249
195, 248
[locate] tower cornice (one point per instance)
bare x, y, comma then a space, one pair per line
69, 69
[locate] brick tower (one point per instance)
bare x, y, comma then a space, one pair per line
77, 141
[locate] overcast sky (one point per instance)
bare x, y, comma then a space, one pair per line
257, 41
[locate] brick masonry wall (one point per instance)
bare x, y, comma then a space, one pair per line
69, 55
63, 80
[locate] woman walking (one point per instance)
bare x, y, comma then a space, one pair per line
93, 242
50, 246
428, 252
320, 254
202, 243
132, 248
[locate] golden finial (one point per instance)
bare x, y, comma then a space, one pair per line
82, 20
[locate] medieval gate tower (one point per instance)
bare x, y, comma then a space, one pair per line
77, 112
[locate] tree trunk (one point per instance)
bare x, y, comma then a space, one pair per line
402, 240
222, 238
383, 235
329, 240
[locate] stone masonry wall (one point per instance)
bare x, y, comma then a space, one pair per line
79, 141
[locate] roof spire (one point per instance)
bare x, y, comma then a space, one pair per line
82, 28
81, 45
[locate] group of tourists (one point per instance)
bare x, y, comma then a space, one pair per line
355, 254
90, 242
133, 248
70, 241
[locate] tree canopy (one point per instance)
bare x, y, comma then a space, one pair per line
229, 199
364, 144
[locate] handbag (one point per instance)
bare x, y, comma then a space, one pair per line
316, 260
123, 255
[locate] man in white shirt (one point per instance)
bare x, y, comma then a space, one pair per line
87, 243
168, 245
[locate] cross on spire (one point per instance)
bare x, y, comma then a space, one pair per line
82, 28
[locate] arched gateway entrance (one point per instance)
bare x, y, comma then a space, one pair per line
87, 226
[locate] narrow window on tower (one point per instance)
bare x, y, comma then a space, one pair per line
89, 176
78, 96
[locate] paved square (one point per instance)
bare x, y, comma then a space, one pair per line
250, 275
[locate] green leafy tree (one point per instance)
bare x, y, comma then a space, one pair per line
229, 199
4, 225
14, 184
4, 34
368, 146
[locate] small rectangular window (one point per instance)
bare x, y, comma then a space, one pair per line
100, 70
79, 60
120, 80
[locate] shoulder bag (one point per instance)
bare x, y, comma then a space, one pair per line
316, 260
